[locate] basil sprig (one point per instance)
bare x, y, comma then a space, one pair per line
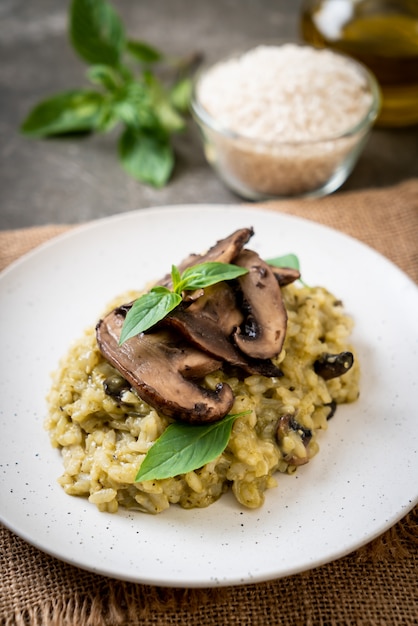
152, 307
128, 93
183, 448
286, 260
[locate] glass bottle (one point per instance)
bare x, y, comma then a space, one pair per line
383, 34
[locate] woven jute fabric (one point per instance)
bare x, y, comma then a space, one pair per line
376, 585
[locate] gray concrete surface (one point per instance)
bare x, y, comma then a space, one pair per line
72, 180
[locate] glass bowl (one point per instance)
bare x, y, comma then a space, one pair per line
285, 159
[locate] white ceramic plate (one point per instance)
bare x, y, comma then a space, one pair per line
362, 482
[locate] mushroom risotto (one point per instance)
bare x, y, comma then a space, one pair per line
220, 377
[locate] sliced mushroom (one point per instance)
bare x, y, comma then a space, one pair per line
286, 425
224, 251
160, 366
208, 324
209, 321
329, 366
266, 323
285, 275
219, 305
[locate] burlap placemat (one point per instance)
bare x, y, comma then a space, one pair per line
375, 586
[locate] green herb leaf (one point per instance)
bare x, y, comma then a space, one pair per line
147, 310
175, 278
146, 157
143, 52
167, 115
68, 112
128, 103
105, 76
183, 448
108, 118
133, 106
181, 94
206, 274
143, 104
96, 31
287, 260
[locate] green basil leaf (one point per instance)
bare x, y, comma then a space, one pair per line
181, 95
107, 119
132, 105
68, 112
206, 274
175, 277
147, 310
287, 260
143, 52
183, 448
96, 31
105, 76
146, 157
167, 115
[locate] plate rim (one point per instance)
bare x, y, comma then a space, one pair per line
73, 232
76, 228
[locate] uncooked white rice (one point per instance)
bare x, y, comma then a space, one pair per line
285, 93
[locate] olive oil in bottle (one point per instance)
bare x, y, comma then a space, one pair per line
383, 34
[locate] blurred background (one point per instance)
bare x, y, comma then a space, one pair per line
74, 179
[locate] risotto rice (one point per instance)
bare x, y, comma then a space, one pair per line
103, 440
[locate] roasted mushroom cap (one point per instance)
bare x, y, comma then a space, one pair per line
160, 366
265, 327
224, 251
